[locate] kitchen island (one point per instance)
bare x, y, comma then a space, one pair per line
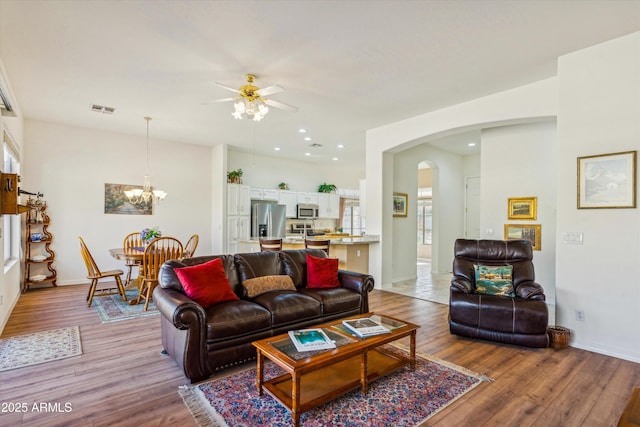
352, 252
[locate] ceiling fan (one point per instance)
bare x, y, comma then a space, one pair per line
251, 101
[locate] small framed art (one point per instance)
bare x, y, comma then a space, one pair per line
400, 201
522, 208
607, 181
530, 232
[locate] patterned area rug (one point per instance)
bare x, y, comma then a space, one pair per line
112, 308
40, 347
404, 398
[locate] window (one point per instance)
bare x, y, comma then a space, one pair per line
424, 216
352, 222
11, 223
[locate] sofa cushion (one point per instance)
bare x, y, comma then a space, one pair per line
169, 280
260, 285
294, 263
334, 300
289, 307
233, 319
494, 280
322, 272
206, 283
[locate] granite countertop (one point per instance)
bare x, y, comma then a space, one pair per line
366, 239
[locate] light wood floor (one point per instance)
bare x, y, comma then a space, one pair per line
122, 379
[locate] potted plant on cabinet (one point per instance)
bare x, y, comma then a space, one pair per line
326, 188
283, 186
235, 177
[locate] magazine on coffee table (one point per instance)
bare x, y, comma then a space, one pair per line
311, 339
365, 327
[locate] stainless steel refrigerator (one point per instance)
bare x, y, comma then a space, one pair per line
268, 219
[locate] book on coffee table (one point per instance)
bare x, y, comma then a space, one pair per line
365, 327
311, 339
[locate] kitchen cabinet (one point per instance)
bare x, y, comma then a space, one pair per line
290, 200
264, 194
238, 228
328, 206
308, 198
238, 199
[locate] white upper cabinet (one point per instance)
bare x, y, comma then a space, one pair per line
264, 194
290, 200
308, 198
238, 199
328, 206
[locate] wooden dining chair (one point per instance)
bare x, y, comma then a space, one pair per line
94, 274
318, 244
132, 240
268, 245
157, 252
192, 244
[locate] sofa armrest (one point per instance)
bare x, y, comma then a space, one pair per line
461, 284
357, 282
182, 311
530, 290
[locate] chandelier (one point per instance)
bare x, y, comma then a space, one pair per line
143, 196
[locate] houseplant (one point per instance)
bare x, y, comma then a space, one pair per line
235, 177
326, 188
283, 186
148, 234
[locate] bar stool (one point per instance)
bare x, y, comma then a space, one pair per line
318, 244
267, 245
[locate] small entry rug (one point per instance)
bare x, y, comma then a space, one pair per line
404, 398
40, 347
112, 308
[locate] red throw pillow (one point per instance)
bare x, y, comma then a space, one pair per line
322, 272
206, 283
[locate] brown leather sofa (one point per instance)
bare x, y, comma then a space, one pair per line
520, 320
204, 341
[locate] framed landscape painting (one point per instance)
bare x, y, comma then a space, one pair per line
522, 208
607, 181
530, 232
115, 201
400, 201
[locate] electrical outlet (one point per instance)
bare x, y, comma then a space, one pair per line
358, 252
580, 315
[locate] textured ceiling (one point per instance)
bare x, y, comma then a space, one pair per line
348, 66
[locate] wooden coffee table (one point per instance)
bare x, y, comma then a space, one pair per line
313, 378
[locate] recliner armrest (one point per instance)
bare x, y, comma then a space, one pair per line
530, 290
460, 284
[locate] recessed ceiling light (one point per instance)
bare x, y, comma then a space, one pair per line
472, 144
307, 138
307, 154
335, 158
302, 130
276, 148
340, 146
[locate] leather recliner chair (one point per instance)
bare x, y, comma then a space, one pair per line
520, 320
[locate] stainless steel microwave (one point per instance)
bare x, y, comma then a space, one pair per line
307, 211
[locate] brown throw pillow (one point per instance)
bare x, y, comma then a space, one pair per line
260, 285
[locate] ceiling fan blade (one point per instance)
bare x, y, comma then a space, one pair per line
215, 101
270, 90
228, 88
281, 105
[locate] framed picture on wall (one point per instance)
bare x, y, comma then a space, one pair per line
400, 201
115, 201
607, 181
530, 232
522, 208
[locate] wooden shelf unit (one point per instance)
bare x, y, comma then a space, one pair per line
36, 223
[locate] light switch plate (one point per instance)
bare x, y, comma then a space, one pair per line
572, 237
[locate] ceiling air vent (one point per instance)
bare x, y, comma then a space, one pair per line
102, 109
315, 145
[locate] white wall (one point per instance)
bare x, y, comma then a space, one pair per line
520, 161
448, 208
268, 172
599, 112
11, 276
70, 166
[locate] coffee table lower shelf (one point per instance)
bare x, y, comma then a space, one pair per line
327, 383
